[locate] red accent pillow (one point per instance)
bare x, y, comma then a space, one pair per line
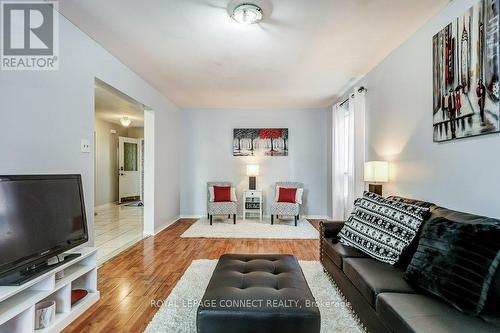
222, 193
287, 194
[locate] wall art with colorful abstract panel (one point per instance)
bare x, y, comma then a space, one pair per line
465, 74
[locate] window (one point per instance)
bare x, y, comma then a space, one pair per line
343, 160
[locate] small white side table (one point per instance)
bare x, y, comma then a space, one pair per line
252, 203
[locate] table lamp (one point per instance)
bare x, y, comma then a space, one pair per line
252, 173
376, 172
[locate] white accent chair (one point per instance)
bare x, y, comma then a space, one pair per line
220, 208
286, 208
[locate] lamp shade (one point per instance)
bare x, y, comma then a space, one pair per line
377, 171
252, 170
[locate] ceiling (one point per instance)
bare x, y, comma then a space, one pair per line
303, 54
111, 105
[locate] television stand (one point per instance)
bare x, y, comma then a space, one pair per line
17, 303
21, 277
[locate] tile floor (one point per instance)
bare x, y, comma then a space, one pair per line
116, 227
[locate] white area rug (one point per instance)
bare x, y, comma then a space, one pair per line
224, 228
177, 313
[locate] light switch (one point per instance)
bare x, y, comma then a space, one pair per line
85, 146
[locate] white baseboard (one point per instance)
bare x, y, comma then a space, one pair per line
317, 217
191, 216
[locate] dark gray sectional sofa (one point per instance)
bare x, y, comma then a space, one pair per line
385, 302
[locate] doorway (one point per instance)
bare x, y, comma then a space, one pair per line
119, 152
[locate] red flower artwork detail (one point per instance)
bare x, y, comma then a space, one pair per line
270, 133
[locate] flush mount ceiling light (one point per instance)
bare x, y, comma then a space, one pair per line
247, 14
125, 121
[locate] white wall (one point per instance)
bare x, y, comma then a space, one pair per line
462, 174
135, 132
44, 115
206, 155
166, 182
106, 161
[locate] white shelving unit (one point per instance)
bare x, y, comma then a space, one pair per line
253, 198
17, 304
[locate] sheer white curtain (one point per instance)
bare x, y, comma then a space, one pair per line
343, 160
348, 155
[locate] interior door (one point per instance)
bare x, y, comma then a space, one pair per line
129, 181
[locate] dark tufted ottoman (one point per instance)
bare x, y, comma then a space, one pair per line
258, 294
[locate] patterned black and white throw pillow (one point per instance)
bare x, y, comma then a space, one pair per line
382, 228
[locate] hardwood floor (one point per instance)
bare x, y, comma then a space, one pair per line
150, 269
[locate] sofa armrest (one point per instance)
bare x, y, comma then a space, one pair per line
329, 229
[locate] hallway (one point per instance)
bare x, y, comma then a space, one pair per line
116, 228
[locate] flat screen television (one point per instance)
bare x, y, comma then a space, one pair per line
41, 216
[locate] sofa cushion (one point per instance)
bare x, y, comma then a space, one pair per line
330, 229
222, 208
491, 312
414, 202
338, 251
454, 215
372, 277
285, 208
382, 228
419, 313
457, 261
